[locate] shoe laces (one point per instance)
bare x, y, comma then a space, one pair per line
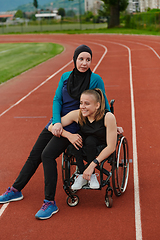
45, 205
7, 192
95, 174
76, 175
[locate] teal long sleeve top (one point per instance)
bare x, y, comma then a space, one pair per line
95, 82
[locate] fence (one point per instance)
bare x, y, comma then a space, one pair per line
25, 28
148, 21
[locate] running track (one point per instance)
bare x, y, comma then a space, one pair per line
130, 68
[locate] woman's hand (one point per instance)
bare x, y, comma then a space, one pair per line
76, 140
89, 170
57, 129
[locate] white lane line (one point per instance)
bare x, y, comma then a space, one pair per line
135, 158
3, 208
35, 89
101, 57
138, 224
146, 46
150, 48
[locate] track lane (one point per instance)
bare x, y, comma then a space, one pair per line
123, 102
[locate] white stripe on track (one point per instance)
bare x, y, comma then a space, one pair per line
35, 89
135, 160
150, 48
146, 46
138, 224
101, 57
3, 208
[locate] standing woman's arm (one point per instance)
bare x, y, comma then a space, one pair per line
56, 128
57, 100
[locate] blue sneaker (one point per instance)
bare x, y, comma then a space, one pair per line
10, 196
47, 210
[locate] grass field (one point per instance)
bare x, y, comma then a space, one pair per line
19, 57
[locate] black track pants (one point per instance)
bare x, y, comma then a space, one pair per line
46, 148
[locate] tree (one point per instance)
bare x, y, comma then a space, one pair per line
35, 4
115, 7
61, 12
88, 16
19, 14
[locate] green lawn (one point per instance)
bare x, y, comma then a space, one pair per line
16, 58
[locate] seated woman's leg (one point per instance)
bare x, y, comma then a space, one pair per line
79, 159
79, 180
91, 144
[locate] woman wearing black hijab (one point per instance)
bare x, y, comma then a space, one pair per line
50, 145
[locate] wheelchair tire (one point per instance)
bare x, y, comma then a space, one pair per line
120, 167
72, 201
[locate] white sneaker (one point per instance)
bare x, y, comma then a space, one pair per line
79, 182
94, 182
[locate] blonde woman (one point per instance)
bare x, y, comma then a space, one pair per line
97, 127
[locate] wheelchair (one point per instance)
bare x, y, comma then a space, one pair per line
118, 163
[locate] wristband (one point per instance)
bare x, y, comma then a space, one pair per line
96, 161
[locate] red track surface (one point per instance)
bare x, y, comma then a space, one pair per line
129, 59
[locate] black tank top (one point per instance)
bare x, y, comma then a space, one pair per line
96, 129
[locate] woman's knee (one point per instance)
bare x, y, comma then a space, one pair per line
46, 155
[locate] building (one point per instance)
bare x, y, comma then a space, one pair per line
92, 5
145, 4
48, 14
142, 5
6, 16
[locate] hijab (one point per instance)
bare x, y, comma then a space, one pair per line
79, 81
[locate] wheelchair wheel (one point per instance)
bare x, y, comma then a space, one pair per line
72, 201
120, 167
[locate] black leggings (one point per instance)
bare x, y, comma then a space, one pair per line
46, 149
89, 148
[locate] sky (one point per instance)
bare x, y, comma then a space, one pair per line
6, 5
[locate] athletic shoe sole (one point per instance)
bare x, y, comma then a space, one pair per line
12, 200
43, 218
